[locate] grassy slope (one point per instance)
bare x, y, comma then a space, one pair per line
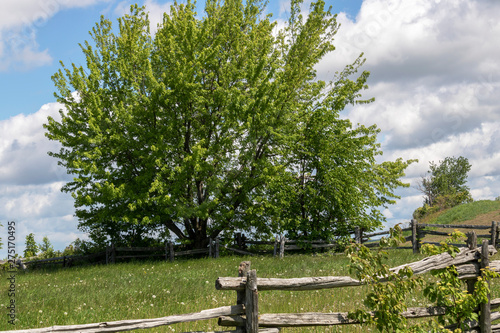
477, 213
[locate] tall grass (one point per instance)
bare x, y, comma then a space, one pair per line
140, 290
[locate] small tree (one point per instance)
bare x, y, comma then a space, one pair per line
32, 248
46, 248
445, 186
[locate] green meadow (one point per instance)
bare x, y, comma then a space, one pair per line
139, 290
152, 289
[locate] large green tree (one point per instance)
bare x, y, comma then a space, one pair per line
217, 123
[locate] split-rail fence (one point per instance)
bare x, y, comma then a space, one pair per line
417, 233
245, 315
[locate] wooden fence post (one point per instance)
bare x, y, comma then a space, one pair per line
420, 236
217, 247
243, 269
498, 231
357, 235
107, 254
414, 239
113, 253
282, 246
171, 251
252, 303
471, 244
275, 251
210, 243
471, 240
494, 233
485, 317
237, 240
166, 251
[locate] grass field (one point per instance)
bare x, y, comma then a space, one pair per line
154, 289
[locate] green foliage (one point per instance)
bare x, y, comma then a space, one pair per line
423, 211
46, 249
390, 291
217, 123
446, 184
85, 247
448, 291
450, 176
69, 250
442, 202
31, 248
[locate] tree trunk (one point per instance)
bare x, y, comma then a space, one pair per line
201, 239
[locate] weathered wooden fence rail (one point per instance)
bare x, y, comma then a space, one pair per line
128, 325
65, 261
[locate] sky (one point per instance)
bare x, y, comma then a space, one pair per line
435, 77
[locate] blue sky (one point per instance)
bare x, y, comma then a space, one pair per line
435, 74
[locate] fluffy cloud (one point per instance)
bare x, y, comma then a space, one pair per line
19, 22
435, 75
23, 149
30, 182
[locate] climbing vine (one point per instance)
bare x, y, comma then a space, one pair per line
390, 290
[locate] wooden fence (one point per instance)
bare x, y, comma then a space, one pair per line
468, 262
420, 230
169, 252
245, 315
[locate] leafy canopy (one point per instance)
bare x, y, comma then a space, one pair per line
217, 123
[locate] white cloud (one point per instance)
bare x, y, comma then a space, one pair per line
19, 22
24, 147
20, 51
435, 75
15, 14
156, 11
30, 181
438, 40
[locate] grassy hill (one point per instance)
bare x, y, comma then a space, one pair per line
481, 212
476, 213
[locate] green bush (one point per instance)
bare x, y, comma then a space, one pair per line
443, 202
